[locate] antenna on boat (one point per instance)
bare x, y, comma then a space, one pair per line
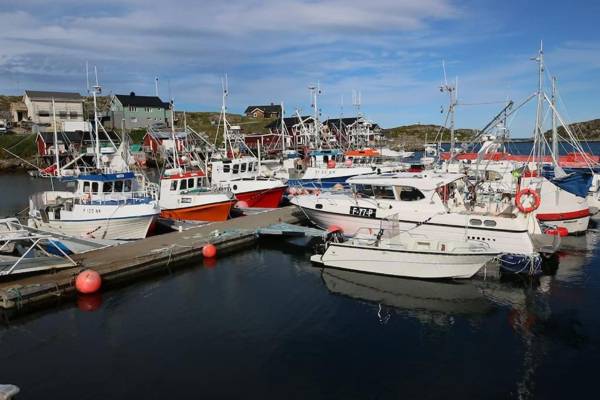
156, 86
452, 92
87, 77
538, 140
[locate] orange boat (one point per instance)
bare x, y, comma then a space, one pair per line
186, 196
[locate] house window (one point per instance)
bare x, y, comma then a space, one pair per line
74, 114
132, 108
62, 114
134, 119
44, 113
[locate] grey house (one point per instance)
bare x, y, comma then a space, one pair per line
136, 112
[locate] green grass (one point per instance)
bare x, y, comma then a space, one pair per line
21, 145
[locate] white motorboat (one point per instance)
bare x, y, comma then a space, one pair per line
410, 256
103, 206
439, 206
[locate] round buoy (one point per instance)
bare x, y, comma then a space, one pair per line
241, 204
334, 228
89, 302
88, 281
209, 251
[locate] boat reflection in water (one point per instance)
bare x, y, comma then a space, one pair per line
434, 302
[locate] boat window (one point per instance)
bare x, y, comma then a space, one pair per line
236, 168
476, 222
243, 167
94, 187
174, 185
489, 222
364, 190
182, 184
409, 193
198, 182
191, 182
86, 187
383, 192
250, 167
127, 185
108, 187
226, 167
118, 186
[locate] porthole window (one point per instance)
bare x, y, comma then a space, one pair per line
234, 187
489, 222
474, 221
318, 206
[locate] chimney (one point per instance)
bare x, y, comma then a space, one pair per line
132, 94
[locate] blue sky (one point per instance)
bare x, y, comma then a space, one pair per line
390, 50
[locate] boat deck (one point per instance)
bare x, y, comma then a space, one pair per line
129, 261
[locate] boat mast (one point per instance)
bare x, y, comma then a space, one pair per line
173, 136
282, 131
540, 106
554, 130
451, 90
56, 157
226, 138
96, 90
315, 91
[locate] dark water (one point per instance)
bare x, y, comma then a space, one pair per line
266, 324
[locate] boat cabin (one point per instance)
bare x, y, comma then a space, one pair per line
234, 169
107, 187
183, 183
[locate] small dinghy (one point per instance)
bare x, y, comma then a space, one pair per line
408, 256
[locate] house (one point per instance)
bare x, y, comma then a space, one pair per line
270, 111
136, 112
161, 141
71, 144
357, 130
68, 106
18, 112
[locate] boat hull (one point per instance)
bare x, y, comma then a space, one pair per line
267, 198
126, 228
408, 264
213, 212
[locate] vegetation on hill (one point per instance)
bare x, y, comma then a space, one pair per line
585, 130
6, 100
414, 136
208, 122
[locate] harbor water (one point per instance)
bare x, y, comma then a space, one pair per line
265, 323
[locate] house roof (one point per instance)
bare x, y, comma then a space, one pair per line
62, 96
289, 122
141, 101
273, 108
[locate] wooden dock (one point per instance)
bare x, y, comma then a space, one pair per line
129, 261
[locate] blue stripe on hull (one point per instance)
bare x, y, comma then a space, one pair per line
325, 183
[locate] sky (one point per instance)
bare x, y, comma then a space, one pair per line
391, 51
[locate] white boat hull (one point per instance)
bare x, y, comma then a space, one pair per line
409, 264
129, 228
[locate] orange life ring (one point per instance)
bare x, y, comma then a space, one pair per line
527, 192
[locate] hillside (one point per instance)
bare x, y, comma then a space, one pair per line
6, 100
208, 122
413, 136
586, 130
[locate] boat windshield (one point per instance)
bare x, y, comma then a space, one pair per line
363, 190
409, 193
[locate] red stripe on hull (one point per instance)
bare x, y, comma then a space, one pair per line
268, 198
565, 216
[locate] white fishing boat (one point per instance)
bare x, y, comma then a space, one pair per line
440, 206
407, 255
103, 206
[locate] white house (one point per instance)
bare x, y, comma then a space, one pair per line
67, 106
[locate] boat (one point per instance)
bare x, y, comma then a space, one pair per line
408, 255
102, 206
27, 250
438, 205
242, 177
187, 196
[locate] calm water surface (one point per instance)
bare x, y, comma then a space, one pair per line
266, 324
